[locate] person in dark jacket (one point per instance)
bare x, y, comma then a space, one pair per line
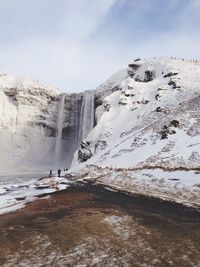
59, 172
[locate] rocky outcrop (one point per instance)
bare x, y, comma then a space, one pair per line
84, 152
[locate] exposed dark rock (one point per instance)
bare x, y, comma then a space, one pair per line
170, 74
85, 144
134, 66
166, 130
143, 101
149, 76
97, 101
132, 69
122, 102
114, 89
100, 145
107, 106
84, 153
164, 135
162, 89
20, 198
11, 92
67, 132
159, 109
171, 83
138, 79
174, 123
172, 131
157, 96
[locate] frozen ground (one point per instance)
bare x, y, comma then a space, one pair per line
17, 190
180, 186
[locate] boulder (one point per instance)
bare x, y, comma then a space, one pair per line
100, 145
174, 123
84, 154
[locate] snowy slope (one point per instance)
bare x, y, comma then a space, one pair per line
151, 122
132, 127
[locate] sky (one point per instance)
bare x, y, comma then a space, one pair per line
75, 45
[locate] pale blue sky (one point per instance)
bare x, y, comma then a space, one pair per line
76, 44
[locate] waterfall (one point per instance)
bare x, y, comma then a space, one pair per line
59, 128
76, 123
87, 115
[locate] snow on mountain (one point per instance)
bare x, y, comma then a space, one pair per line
28, 125
146, 134
150, 122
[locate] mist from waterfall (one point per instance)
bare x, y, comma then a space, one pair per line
87, 115
59, 128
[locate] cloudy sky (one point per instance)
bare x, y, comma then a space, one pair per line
77, 44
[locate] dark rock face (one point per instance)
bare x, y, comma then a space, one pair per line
170, 74
174, 123
84, 152
143, 101
11, 92
97, 101
166, 130
173, 84
132, 69
100, 145
107, 106
160, 109
149, 76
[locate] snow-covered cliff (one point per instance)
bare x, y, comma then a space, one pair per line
29, 130
153, 120
147, 139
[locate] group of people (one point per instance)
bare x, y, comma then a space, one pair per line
59, 172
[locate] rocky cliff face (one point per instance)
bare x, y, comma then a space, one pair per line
28, 124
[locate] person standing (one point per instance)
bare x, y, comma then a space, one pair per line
59, 172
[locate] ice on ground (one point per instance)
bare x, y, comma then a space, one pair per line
14, 196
